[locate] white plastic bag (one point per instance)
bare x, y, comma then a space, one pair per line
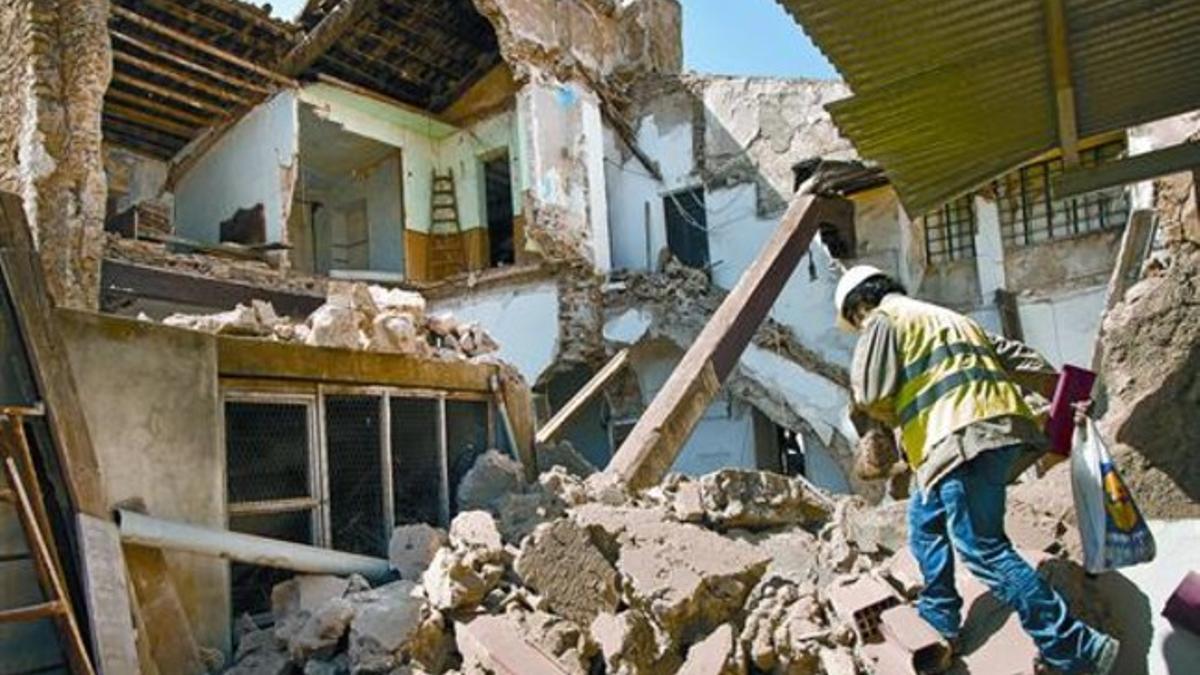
1113, 531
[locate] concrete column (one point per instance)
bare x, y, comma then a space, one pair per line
989, 249
56, 59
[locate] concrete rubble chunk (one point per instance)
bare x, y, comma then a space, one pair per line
784, 628
632, 644
339, 665
928, 651
564, 486
475, 529
497, 644
738, 498
562, 454
691, 579
837, 661
386, 622
493, 475
259, 653
318, 637
398, 300
560, 562
521, 513
305, 592
412, 548
717, 654
333, 326
459, 580
860, 602
240, 321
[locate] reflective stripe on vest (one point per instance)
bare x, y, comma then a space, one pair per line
950, 377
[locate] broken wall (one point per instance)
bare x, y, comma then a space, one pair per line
134, 178
55, 63
253, 163
150, 399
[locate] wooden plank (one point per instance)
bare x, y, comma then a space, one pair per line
125, 114
247, 357
654, 443
200, 45
168, 632
178, 60
1135, 242
1010, 318
518, 409
121, 281
44, 610
1064, 90
1148, 165
331, 28
147, 104
186, 80
107, 592
167, 92
581, 398
22, 274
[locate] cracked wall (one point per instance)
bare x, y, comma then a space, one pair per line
55, 61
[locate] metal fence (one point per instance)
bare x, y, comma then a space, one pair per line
1027, 216
950, 231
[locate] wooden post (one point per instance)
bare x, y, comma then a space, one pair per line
572, 407
330, 29
22, 276
656, 439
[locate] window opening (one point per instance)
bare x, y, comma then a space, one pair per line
416, 460
352, 443
950, 231
497, 176
687, 226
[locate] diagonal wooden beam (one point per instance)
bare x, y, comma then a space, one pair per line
572, 407
328, 31
651, 448
1064, 90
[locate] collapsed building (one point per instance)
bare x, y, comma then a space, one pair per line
306, 273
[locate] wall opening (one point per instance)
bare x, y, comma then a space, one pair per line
687, 226
353, 436
498, 207
417, 460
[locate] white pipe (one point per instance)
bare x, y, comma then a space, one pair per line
137, 528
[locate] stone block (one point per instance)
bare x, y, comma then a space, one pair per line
475, 529
560, 562
412, 548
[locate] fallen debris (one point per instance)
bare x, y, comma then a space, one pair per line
730, 573
354, 316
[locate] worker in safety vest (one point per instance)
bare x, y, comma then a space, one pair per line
935, 377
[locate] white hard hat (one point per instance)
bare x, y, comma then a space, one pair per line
850, 280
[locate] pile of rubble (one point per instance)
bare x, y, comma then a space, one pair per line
737, 571
354, 316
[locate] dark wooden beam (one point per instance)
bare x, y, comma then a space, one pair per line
121, 282
1175, 159
323, 36
159, 123
166, 92
184, 79
655, 441
168, 55
148, 105
200, 45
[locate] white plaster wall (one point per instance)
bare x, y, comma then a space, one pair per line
522, 318
822, 470
1064, 326
562, 145
464, 153
248, 166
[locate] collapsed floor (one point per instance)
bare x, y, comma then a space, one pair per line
734, 572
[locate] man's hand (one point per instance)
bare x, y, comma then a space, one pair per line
875, 456
1083, 410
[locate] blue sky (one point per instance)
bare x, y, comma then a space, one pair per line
726, 37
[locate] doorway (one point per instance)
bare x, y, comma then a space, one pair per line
497, 180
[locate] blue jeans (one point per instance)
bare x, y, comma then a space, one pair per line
965, 509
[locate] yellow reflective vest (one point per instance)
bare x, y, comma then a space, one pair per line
951, 375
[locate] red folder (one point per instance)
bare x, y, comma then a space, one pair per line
1074, 385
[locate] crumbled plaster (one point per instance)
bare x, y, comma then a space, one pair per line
56, 64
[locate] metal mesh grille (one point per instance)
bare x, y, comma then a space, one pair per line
466, 440
416, 463
251, 584
1027, 217
950, 231
352, 433
268, 451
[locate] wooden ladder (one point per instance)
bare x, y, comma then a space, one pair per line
25, 495
448, 248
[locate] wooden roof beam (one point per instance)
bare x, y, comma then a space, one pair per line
323, 36
168, 55
1064, 90
166, 92
151, 106
200, 45
182, 78
138, 117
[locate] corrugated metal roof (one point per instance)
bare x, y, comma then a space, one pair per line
951, 93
